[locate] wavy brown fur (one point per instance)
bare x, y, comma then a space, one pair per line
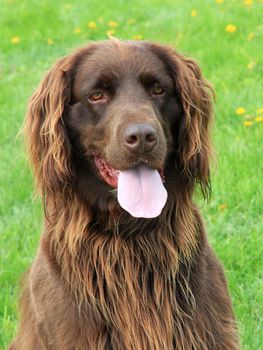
105, 280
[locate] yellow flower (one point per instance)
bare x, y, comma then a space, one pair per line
193, 13
131, 21
101, 19
222, 207
248, 2
113, 24
259, 119
15, 40
259, 110
77, 30
50, 41
137, 37
240, 110
251, 65
231, 28
67, 7
110, 32
219, 1
92, 25
250, 36
248, 123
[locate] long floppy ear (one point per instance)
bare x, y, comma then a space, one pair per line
196, 96
195, 148
46, 137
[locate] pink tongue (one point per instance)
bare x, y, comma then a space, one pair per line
141, 192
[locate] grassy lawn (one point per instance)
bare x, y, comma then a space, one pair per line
34, 33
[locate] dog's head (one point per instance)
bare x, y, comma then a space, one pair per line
114, 106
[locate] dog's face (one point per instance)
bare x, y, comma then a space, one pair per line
114, 106
123, 110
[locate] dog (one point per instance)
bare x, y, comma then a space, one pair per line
118, 134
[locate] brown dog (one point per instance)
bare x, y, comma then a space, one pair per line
121, 265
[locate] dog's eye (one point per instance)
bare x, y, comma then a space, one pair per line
158, 90
96, 96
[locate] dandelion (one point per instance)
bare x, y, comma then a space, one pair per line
219, 2
67, 7
250, 36
222, 207
50, 41
137, 37
110, 32
248, 2
240, 110
131, 21
15, 40
92, 25
251, 65
248, 123
259, 119
77, 30
231, 28
113, 24
193, 13
259, 111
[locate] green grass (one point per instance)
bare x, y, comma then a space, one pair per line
233, 215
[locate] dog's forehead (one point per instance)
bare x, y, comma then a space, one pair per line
119, 59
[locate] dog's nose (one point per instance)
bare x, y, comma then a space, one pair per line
140, 137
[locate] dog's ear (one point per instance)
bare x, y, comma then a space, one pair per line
195, 147
196, 96
46, 135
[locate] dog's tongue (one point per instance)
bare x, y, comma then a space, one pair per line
141, 192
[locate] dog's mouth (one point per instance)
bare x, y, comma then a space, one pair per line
140, 189
107, 172
110, 175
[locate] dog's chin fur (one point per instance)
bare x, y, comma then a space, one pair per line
101, 278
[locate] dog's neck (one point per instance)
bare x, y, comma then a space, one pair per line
125, 275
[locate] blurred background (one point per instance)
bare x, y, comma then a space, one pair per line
226, 39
